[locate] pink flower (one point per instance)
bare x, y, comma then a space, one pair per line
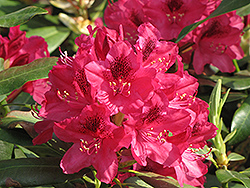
95, 140
130, 14
70, 92
171, 16
160, 55
152, 129
17, 50
190, 170
218, 43
122, 84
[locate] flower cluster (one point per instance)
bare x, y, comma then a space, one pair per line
114, 95
215, 42
17, 50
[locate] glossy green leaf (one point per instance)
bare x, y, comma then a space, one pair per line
21, 16
235, 157
96, 10
14, 77
1, 64
224, 7
246, 172
214, 103
135, 182
53, 35
241, 122
225, 176
34, 172
235, 96
244, 10
16, 136
6, 150
157, 180
17, 116
234, 82
229, 136
44, 150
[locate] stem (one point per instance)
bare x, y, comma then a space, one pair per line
237, 68
185, 46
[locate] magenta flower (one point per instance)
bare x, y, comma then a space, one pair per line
122, 84
95, 140
160, 55
189, 170
17, 50
171, 16
152, 129
218, 43
130, 14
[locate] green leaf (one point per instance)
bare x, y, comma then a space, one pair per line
157, 180
225, 176
234, 82
241, 122
235, 157
6, 150
53, 35
21, 16
14, 77
34, 172
244, 10
214, 103
16, 136
246, 172
17, 116
224, 7
135, 182
1, 64
97, 9
8, 6
229, 136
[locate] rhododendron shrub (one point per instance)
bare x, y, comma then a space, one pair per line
17, 50
114, 95
215, 42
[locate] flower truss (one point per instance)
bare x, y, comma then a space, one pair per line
116, 94
216, 41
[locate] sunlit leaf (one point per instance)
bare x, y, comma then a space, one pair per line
235, 157
234, 82
224, 7
14, 77
225, 176
53, 35
21, 16
229, 136
135, 182
35, 171
241, 122
214, 103
246, 172
96, 10
6, 150
157, 180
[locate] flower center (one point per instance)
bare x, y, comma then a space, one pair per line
120, 68
134, 17
174, 5
215, 30
93, 125
153, 114
82, 82
148, 49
